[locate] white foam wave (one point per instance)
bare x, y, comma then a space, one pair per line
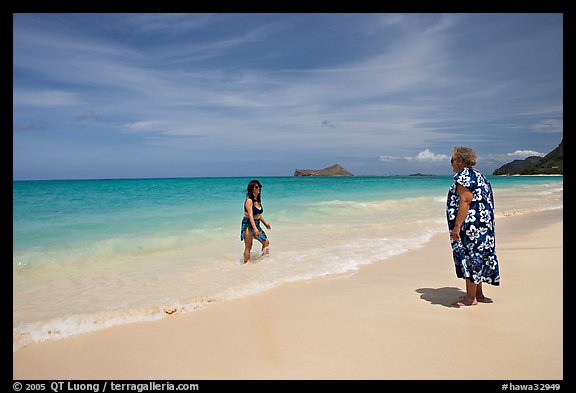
59, 328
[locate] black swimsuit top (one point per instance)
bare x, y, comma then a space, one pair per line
255, 210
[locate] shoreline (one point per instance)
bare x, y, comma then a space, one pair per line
388, 320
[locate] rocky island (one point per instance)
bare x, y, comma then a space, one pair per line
334, 170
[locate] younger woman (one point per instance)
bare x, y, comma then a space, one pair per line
252, 218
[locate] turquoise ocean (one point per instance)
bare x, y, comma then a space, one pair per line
90, 254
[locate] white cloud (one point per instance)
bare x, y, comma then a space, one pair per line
146, 125
424, 156
522, 154
427, 155
393, 19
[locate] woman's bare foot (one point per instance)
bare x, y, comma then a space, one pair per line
265, 251
483, 299
466, 301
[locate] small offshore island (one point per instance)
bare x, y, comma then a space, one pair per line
334, 170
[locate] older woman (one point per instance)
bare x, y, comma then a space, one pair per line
250, 228
470, 214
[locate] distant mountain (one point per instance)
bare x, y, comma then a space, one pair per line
334, 170
551, 164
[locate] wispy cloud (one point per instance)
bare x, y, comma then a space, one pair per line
28, 127
401, 87
45, 98
549, 126
424, 156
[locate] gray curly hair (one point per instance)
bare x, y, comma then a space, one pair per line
466, 155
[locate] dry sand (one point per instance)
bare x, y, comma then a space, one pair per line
392, 320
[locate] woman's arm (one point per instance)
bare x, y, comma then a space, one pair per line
465, 200
264, 222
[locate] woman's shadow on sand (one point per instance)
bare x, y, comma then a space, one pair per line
446, 296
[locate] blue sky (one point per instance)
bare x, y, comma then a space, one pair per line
178, 95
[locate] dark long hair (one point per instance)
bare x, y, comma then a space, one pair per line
250, 190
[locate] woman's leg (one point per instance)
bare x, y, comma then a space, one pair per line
480, 297
265, 245
479, 294
247, 244
470, 299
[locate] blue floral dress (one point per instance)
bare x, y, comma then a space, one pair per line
475, 253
